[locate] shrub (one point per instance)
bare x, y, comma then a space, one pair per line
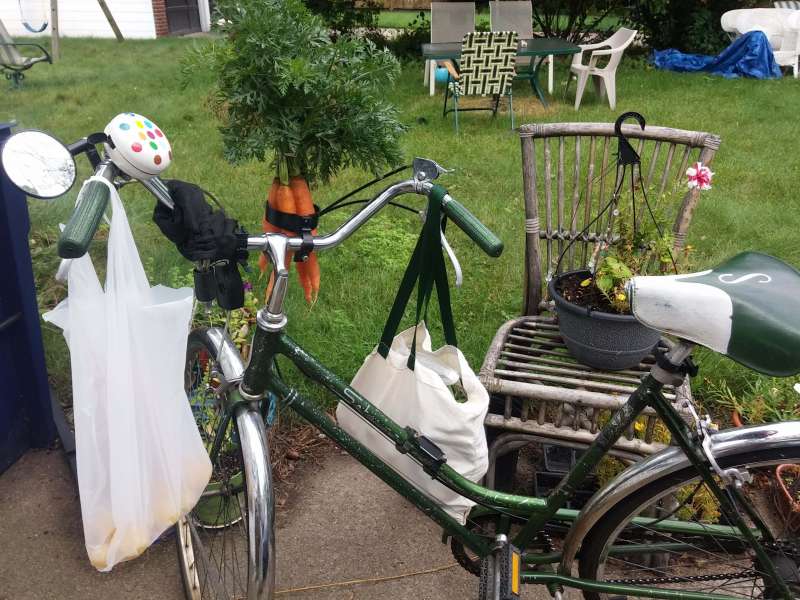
344, 17
286, 92
688, 25
577, 20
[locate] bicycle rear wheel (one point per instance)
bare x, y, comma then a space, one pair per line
616, 549
226, 543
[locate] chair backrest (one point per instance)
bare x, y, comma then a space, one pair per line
768, 20
487, 62
9, 55
621, 39
790, 4
791, 33
451, 21
512, 15
728, 20
569, 175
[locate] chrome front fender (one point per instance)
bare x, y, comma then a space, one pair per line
724, 443
228, 356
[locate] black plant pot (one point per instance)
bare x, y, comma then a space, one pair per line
598, 339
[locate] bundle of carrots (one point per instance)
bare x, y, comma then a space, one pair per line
295, 199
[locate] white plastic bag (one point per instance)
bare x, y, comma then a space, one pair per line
423, 400
141, 461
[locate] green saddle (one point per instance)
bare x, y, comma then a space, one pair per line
748, 309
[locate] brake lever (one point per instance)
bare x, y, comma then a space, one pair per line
426, 169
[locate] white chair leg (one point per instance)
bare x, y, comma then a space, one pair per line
611, 89
432, 78
427, 72
583, 78
599, 88
795, 66
550, 75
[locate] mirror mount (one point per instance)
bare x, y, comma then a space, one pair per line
88, 146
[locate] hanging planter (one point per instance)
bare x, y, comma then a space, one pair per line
594, 314
599, 339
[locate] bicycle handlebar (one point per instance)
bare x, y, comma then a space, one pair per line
472, 226
91, 204
465, 220
93, 199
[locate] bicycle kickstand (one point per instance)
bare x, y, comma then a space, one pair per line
500, 572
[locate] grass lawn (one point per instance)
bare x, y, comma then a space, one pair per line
754, 203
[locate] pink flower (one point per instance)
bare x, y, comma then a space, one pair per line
699, 176
247, 286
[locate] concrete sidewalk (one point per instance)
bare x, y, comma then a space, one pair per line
341, 524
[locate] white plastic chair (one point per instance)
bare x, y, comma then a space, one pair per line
450, 22
605, 77
517, 15
768, 20
728, 22
789, 53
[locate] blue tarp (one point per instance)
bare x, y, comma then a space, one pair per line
748, 56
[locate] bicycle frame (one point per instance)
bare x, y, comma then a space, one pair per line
260, 378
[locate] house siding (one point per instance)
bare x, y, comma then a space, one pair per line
84, 18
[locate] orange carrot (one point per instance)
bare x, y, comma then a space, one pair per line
309, 270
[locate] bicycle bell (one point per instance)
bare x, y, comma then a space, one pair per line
137, 146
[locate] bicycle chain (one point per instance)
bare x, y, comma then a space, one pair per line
474, 567
685, 579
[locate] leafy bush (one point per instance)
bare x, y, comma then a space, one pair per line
408, 42
344, 17
759, 400
286, 91
688, 25
577, 20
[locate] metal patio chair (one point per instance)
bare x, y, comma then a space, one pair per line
517, 15
539, 392
12, 62
487, 68
450, 22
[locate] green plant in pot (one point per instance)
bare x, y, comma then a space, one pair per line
594, 315
593, 310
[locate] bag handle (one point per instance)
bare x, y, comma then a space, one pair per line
425, 269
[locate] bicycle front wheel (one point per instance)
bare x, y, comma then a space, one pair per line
705, 560
226, 543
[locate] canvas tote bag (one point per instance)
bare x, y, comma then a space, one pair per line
141, 461
414, 385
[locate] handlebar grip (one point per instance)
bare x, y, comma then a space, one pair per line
81, 227
469, 224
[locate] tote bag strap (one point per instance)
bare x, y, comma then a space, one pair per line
425, 269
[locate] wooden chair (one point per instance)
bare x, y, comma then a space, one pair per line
539, 392
13, 62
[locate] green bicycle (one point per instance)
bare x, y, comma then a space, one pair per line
636, 537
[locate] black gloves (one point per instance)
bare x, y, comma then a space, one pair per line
201, 233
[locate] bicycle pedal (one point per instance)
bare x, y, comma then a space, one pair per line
501, 572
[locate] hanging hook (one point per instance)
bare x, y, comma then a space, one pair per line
626, 155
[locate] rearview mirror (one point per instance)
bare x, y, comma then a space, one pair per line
38, 164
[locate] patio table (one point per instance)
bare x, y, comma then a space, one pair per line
538, 48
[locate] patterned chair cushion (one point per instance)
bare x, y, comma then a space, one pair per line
487, 63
